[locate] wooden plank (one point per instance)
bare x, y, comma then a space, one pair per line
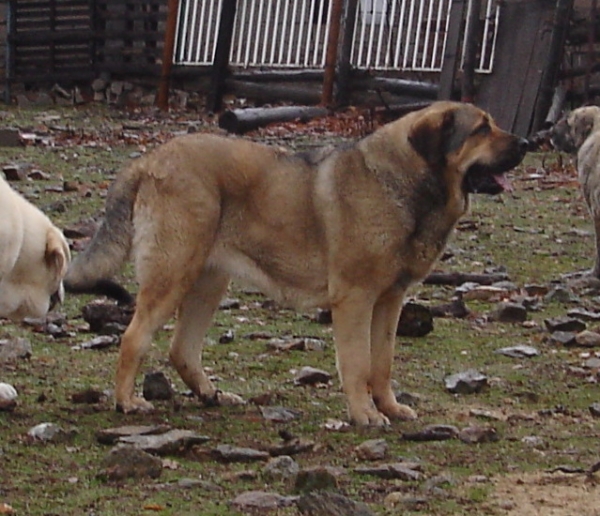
501, 93
451, 55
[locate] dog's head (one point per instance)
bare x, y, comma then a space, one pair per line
464, 142
571, 131
35, 285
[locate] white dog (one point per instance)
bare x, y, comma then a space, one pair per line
34, 257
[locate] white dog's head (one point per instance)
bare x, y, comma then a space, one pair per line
35, 284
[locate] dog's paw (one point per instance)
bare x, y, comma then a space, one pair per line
401, 412
369, 417
222, 399
134, 405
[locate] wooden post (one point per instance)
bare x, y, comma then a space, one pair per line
562, 16
10, 49
471, 39
221, 58
332, 52
348, 20
162, 99
451, 56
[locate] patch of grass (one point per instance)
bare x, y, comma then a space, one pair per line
535, 235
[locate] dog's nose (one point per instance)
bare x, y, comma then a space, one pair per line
524, 145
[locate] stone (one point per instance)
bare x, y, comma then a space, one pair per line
564, 323
588, 339
171, 442
15, 349
319, 478
478, 434
594, 409
432, 433
9, 137
373, 449
467, 382
281, 468
128, 462
279, 414
507, 312
324, 503
415, 321
112, 435
157, 386
261, 501
227, 453
8, 397
520, 351
563, 338
399, 471
311, 376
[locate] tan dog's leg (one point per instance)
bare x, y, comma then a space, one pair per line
351, 330
151, 313
383, 339
596, 216
193, 319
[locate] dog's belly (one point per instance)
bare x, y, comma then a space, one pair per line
293, 287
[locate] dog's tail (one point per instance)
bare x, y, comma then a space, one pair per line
92, 269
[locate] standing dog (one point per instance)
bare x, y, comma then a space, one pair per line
34, 256
347, 228
579, 133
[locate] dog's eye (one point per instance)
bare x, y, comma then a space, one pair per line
482, 130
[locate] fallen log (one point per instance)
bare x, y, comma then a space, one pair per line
243, 120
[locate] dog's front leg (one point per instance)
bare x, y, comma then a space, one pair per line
351, 330
383, 339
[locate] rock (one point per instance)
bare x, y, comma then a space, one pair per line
311, 376
323, 317
14, 349
478, 434
562, 338
281, 468
506, 312
592, 363
157, 386
456, 308
292, 446
399, 471
534, 441
9, 137
324, 503
432, 433
297, 344
467, 382
8, 397
559, 295
520, 351
227, 453
536, 290
128, 462
373, 449
261, 501
483, 293
279, 414
171, 442
568, 324
100, 342
595, 409
584, 315
112, 435
99, 313
316, 479
47, 432
411, 503
415, 321
227, 338
88, 396
230, 304
588, 339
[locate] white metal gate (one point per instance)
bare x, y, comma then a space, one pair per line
388, 34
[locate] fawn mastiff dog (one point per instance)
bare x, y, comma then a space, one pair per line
578, 133
348, 228
33, 258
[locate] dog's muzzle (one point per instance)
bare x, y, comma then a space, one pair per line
57, 297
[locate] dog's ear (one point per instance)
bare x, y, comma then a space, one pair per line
57, 253
433, 135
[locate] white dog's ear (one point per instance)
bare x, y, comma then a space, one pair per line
57, 253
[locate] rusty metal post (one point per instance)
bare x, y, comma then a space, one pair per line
162, 99
332, 52
220, 67
344, 68
471, 41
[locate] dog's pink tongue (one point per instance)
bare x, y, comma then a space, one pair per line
504, 182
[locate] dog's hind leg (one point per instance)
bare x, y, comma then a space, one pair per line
383, 339
193, 319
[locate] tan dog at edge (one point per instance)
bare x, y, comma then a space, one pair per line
34, 256
579, 133
347, 228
